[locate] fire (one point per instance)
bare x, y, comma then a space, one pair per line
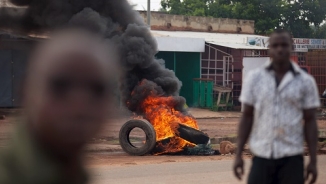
149, 100
160, 112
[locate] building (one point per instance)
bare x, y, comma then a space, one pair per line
222, 50
224, 53
311, 54
168, 22
182, 55
228, 57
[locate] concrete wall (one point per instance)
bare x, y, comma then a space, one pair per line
168, 22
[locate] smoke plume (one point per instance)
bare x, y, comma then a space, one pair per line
115, 20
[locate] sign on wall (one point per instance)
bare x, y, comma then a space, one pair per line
300, 44
303, 43
258, 41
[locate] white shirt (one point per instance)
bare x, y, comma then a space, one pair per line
277, 130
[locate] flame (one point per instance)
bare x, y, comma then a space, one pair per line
160, 112
135, 116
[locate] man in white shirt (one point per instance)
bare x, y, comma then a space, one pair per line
276, 98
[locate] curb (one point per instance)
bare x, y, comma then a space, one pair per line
106, 149
116, 148
217, 140
213, 117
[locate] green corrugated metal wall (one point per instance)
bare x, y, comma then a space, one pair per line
168, 58
187, 68
186, 65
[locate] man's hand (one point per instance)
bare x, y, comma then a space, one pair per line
311, 171
238, 168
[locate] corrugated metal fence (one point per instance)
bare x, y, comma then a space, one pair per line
316, 63
12, 69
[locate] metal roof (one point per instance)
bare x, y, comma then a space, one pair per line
236, 41
179, 44
239, 46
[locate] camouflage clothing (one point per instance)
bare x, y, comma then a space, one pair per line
25, 162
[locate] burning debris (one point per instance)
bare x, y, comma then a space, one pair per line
175, 131
147, 88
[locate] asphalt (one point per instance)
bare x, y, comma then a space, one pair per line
197, 172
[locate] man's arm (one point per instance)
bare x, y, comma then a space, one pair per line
310, 130
243, 134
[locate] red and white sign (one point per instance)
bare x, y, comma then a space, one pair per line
305, 44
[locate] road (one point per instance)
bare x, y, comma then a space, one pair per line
203, 171
122, 168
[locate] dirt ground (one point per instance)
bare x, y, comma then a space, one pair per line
122, 159
213, 127
110, 132
221, 127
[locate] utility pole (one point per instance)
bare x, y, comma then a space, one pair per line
149, 13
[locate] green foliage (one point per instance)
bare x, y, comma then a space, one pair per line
299, 15
186, 7
319, 32
295, 15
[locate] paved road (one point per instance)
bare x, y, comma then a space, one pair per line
179, 172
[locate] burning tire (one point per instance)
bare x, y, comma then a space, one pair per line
124, 139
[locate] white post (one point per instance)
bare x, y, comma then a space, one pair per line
149, 13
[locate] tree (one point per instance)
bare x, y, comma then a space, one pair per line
173, 6
222, 9
185, 7
195, 7
295, 15
299, 15
320, 32
265, 13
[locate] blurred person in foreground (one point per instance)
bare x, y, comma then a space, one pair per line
67, 97
276, 98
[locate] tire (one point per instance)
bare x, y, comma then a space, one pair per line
192, 135
150, 137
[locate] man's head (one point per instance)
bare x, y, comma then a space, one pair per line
280, 45
68, 89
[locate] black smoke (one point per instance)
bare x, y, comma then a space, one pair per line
115, 20
47, 14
